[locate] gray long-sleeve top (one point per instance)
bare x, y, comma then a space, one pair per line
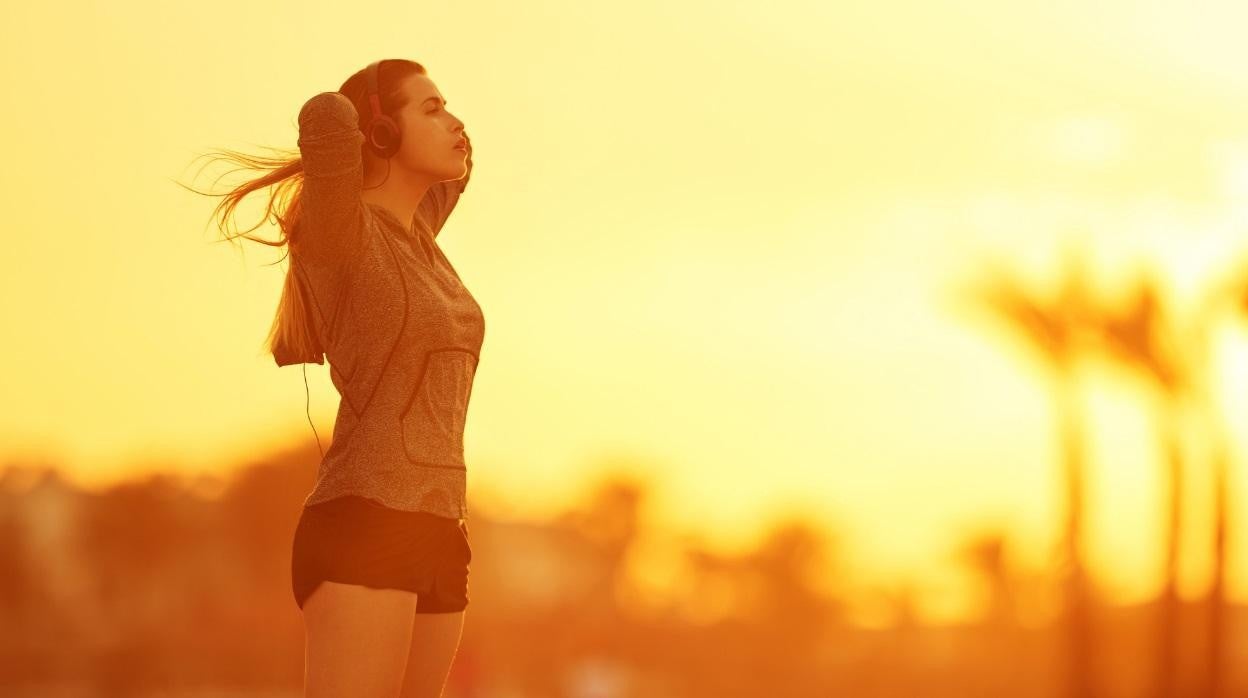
401, 332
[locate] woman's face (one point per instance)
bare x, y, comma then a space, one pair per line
430, 133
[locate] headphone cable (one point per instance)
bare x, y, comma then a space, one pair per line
308, 407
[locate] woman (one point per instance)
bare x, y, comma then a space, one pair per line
380, 555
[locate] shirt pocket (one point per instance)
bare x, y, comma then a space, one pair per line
433, 418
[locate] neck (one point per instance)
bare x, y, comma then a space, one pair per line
400, 194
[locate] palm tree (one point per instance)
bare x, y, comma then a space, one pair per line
1052, 329
1139, 334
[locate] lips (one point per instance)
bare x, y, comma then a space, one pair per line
461, 144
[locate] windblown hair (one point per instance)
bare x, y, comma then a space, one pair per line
292, 338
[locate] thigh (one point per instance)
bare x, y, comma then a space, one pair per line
358, 640
435, 640
439, 620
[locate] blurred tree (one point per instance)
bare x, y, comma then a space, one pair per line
1052, 329
984, 555
1139, 333
791, 560
1227, 294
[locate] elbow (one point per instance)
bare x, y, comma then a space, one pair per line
327, 112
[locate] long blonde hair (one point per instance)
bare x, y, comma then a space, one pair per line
292, 337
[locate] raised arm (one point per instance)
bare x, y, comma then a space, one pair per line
331, 208
442, 197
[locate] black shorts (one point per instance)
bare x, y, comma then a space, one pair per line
356, 540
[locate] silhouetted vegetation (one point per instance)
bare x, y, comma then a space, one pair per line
157, 587
1171, 353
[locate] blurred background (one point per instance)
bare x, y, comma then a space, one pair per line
832, 348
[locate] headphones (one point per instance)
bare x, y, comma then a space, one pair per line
381, 132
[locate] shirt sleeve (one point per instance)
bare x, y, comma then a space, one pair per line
331, 208
441, 198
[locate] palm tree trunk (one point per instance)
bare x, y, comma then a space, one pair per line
1167, 641
1214, 667
1079, 661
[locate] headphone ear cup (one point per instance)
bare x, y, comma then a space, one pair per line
384, 137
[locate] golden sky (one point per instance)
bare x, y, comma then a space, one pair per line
712, 240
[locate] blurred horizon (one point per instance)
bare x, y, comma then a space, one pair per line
159, 585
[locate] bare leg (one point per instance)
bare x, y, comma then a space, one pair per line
435, 640
357, 640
